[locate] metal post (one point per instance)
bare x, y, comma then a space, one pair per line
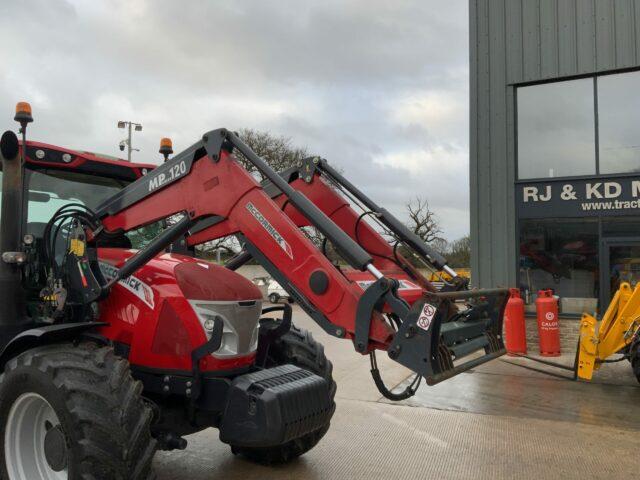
129, 144
129, 126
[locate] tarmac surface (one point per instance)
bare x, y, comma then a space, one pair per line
498, 421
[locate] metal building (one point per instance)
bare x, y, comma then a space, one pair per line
555, 146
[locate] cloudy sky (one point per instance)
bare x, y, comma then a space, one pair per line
379, 88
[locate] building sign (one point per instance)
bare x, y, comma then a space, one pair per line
578, 198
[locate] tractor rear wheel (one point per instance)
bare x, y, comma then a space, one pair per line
299, 348
73, 412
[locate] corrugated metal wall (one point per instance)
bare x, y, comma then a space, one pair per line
517, 41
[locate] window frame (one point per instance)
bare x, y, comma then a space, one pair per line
596, 126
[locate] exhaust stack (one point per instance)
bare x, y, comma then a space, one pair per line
13, 314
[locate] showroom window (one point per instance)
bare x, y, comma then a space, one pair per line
556, 129
562, 255
563, 130
619, 123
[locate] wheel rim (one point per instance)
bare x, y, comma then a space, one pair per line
29, 420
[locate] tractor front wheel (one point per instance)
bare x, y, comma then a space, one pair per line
299, 348
71, 412
635, 358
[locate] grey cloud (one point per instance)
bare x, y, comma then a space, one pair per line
327, 74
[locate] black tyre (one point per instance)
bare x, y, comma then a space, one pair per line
73, 412
296, 347
274, 298
634, 355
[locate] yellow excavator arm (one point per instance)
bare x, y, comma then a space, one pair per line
619, 328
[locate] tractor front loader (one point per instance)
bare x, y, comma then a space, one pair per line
110, 352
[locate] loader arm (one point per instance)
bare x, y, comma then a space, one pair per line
218, 197
311, 181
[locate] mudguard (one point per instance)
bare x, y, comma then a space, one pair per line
43, 335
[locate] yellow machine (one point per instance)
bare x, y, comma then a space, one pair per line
436, 277
618, 333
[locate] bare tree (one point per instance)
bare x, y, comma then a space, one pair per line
441, 245
459, 252
422, 221
227, 246
276, 150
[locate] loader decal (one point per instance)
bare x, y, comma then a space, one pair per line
426, 316
163, 178
136, 286
271, 230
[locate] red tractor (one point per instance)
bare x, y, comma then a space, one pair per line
110, 353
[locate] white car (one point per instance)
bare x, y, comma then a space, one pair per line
275, 292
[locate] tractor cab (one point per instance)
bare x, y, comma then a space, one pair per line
55, 177
32, 190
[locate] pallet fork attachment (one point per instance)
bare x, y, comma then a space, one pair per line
430, 341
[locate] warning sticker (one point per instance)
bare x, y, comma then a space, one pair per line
426, 316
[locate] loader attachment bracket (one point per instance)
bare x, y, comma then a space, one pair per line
372, 299
431, 339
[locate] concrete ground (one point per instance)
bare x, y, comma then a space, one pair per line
497, 421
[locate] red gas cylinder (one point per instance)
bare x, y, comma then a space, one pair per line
515, 333
548, 327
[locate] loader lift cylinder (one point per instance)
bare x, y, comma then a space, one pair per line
390, 221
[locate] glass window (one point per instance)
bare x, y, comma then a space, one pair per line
141, 237
619, 122
51, 189
556, 129
562, 255
617, 227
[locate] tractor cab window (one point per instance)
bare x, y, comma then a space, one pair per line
52, 189
49, 190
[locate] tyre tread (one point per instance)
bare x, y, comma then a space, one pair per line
109, 418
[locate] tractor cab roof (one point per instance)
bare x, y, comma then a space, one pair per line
42, 155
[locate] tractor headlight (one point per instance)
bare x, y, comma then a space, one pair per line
241, 324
